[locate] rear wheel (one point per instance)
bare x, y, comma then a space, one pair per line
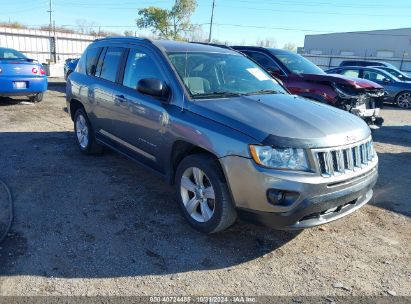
85, 134
37, 98
203, 194
403, 100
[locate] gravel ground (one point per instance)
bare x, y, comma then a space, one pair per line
88, 225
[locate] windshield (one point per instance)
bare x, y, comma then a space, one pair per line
217, 75
394, 72
11, 54
298, 64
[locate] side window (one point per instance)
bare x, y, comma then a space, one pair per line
111, 63
139, 66
351, 73
265, 61
374, 76
91, 60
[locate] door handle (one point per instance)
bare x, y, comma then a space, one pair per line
120, 98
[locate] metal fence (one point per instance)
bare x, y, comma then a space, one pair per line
45, 46
331, 61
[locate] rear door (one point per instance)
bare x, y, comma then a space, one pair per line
383, 79
107, 71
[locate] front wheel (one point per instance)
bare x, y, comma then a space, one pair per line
203, 195
403, 100
84, 134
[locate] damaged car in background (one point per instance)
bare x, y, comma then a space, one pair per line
302, 77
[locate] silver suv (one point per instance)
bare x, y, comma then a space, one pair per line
223, 131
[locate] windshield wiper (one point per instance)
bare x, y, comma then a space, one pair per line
266, 91
219, 94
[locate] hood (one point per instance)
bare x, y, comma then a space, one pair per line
341, 79
284, 120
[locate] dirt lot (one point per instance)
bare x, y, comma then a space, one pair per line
105, 226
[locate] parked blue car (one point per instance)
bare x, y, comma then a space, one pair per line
21, 76
70, 66
397, 91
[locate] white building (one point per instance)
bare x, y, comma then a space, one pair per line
394, 43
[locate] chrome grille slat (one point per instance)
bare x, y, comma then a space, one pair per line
339, 160
357, 162
350, 159
329, 163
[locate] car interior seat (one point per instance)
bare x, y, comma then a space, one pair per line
197, 85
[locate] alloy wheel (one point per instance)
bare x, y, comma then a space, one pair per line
197, 194
82, 131
404, 100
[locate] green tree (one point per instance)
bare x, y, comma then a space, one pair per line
128, 33
171, 23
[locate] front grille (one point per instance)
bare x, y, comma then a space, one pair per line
339, 160
375, 92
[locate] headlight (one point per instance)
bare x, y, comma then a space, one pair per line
278, 158
343, 94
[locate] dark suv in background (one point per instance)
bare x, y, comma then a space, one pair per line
304, 78
221, 130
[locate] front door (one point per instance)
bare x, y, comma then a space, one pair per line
142, 118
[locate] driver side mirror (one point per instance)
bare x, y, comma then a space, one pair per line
386, 80
153, 87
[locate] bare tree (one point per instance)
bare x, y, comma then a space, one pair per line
128, 33
196, 34
290, 46
84, 26
13, 24
267, 42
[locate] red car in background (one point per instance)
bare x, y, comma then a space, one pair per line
302, 77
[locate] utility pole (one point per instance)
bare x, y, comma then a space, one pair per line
211, 22
50, 11
52, 45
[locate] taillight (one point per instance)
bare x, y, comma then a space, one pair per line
42, 71
34, 70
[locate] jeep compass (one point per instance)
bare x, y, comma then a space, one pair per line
226, 134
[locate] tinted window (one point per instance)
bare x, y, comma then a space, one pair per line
11, 54
374, 75
350, 73
298, 64
91, 60
263, 60
139, 66
111, 63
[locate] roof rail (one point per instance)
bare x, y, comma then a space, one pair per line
124, 37
215, 44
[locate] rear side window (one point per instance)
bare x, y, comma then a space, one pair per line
91, 60
139, 66
351, 73
263, 60
111, 63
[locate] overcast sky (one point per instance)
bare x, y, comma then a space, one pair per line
235, 20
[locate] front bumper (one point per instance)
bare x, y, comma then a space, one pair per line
320, 199
371, 116
34, 85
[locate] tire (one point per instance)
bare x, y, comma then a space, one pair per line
68, 74
403, 100
37, 98
204, 198
84, 133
